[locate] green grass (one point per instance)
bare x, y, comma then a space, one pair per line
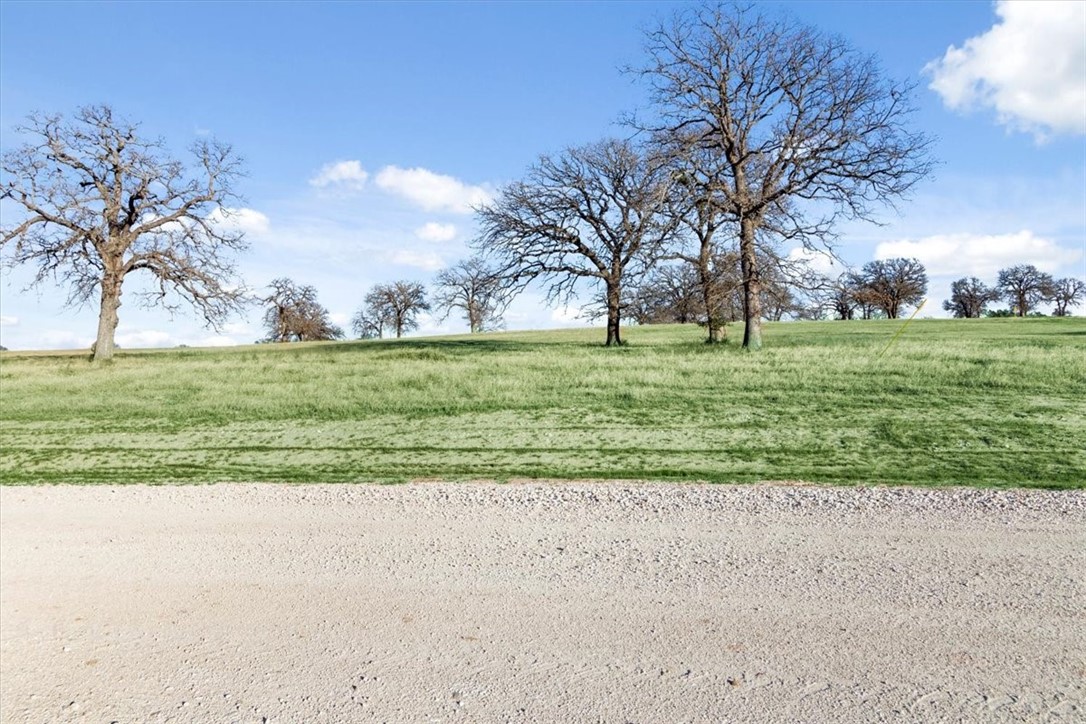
998, 402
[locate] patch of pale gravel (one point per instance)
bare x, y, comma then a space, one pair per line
537, 601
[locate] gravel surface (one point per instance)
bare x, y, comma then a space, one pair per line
541, 602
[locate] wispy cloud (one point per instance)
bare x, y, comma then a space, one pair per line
433, 231
1030, 67
8, 321
347, 175
249, 221
432, 191
425, 260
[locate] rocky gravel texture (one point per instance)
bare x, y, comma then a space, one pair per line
541, 602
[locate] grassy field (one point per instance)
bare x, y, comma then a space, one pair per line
998, 402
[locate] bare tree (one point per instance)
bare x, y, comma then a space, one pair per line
969, 297
102, 202
366, 325
1024, 286
891, 284
593, 214
294, 315
808, 130
396, 305
695, 205
671, 293
473, 287
1066, 293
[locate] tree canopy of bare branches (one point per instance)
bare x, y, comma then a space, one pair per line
479, 291
102, 202
1024, 286
892, 284
395, 306
1066, 293
968, 298
801, 129
594, 214
671, 293
294, 315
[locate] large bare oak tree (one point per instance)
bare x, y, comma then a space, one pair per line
102, 202
805, 129
593, 214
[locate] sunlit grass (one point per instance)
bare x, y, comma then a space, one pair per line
972, 402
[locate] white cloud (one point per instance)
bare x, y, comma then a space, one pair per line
980, 255
339, 318
426, 260
818, 261
6, 321
141, 338
249, 221
1030, 67
342, 174
433, 231
568, 316
432, 191
59, 339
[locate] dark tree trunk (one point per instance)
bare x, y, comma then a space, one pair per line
107, 316
614, 336
752, 287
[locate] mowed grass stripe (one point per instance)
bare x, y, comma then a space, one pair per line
953, 402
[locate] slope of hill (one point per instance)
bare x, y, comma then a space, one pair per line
998, 402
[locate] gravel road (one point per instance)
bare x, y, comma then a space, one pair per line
541, 602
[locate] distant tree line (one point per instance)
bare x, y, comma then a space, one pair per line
1023, 287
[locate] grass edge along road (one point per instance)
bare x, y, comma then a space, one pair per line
991, 402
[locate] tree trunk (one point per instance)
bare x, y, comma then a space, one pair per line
107, 316
613, 319
705, 277
475, 321
752, 286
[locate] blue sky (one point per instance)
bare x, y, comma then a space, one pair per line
369, 129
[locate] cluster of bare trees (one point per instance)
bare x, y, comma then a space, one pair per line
712, 294
471, 287
884, 287
758, 131
1023, 287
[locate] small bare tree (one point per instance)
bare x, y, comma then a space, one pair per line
593, 214
294, 315
480, 292
1025, 286
1066, 293
101, 202
968, 298
367, 326
804, 130
396, 305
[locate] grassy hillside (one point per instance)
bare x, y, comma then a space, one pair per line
972, 402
